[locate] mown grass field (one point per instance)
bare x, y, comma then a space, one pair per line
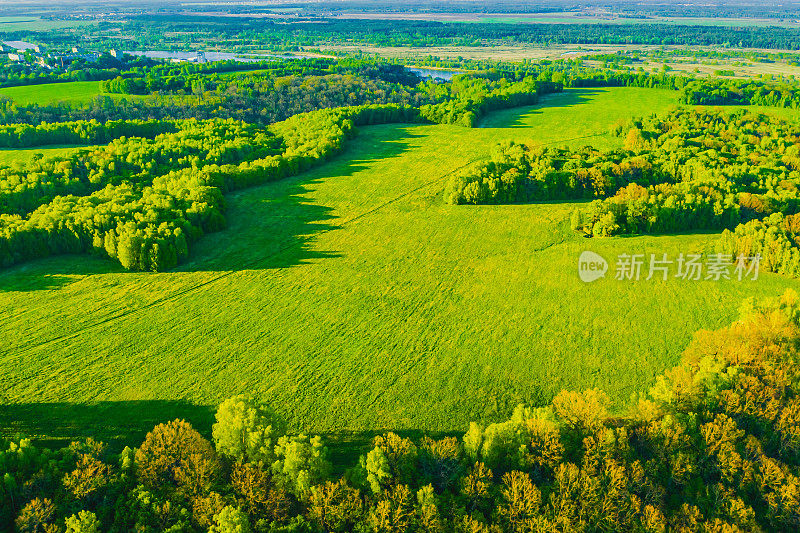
48, 93
518, 52
12, 24
353, 300
573, 17
24, 156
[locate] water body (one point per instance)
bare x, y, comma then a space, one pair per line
424, 73
212, 56
434, 73
19, 45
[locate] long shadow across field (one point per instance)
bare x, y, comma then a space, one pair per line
514, 117
126, 423
116, 423
272, 226
52, 273
269, 226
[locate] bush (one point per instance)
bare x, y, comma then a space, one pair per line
176, 457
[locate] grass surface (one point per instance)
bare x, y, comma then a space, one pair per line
518, 52
12, 24
572, 17
24, 156
353, 300
76, 91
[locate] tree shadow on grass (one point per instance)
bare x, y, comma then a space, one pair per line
53, 273
269, 226
515, 117
684, 233
126, 423
274, 225
118, 424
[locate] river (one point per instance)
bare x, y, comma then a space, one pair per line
213, 56
434, 73
422, 72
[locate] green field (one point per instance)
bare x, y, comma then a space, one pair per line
48, 93
12, 24
678, 21
353, 299
11, 156
575, 17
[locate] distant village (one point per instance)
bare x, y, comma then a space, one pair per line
36, 54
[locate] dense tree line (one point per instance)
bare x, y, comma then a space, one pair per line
713, 446
287, 88
567, 72
523, 173
271, 99
571, 73
130, 67
80, 132
682, 171
165, 78
741, 92
266, 97
664, 208
775, 239
466, 100
254, 98
135, 160
137, 200
184, 77
149, 30
265, 104
720, 169
77, 68
19, 74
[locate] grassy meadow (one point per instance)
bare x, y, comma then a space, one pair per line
353, 299
12, 24
10, 156
574, 17
49, 93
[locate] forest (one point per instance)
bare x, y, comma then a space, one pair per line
686, 171
28, 73
142, 201
159, 184
257, 32
331, 233
740, 92
713, 446
274, 94
273, 91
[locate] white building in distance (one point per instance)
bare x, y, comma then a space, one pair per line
20, 46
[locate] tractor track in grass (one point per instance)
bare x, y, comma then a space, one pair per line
286, 246
246, 265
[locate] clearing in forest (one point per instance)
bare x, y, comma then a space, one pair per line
352, 298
